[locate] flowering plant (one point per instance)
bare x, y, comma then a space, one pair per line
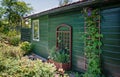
59, 55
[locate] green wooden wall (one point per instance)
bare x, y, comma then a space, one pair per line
76, 21
41, 46
110, 28
47, 41
26, 34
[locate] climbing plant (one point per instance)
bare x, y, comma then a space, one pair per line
92, 42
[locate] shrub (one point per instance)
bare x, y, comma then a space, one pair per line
26, 47
12, 33
59, 55
1, 62
3, 37
27, 68
10, 51
14, 40
10, 66
4, 29
13, 37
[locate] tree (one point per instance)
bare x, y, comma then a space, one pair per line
64, 2
3, 23
2, 11
14, 11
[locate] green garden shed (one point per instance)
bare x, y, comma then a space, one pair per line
68, 21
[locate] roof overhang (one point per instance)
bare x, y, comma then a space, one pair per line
79, 4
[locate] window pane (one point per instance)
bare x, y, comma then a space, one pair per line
35, 29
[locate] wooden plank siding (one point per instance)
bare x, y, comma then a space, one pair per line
110, 28
26, 34
47, 41
41, 46
76, 21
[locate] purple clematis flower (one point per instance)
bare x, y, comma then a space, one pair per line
89, 12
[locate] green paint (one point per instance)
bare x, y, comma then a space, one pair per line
48, 26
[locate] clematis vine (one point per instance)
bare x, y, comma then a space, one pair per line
89, 12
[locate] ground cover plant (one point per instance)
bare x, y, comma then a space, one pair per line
14, 64
11, 38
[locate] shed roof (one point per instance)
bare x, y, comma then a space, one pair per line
74, 5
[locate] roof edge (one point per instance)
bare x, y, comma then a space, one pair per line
70, 6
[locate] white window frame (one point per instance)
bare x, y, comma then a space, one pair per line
33, 30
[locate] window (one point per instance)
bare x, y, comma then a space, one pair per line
35, 30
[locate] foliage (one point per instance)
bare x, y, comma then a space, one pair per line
92, 42
13, 64
26, 23
4, 28
2, 37
14, 40
1, 60
59, 56
2, 11
25, 67
13, 11
11, 38
77, 74
10, 51
12, 33
26, 47
64, 2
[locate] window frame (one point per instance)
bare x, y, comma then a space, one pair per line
33, 21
